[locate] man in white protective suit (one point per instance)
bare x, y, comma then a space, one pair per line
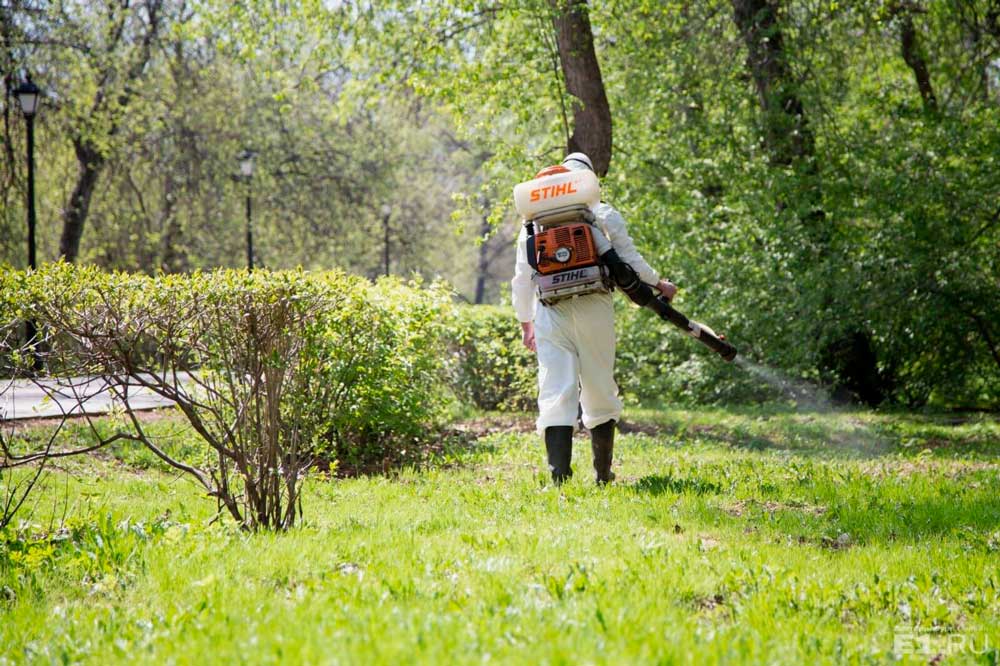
574, 340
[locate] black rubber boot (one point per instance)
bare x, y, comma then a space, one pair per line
559, 446
602, 443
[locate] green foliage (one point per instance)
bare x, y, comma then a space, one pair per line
882, 233
921, 264
222, 77
491, 368
656, 364
373, 367
99, 553
887, 236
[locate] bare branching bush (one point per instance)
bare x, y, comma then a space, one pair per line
270, 370
25, 452
15, 485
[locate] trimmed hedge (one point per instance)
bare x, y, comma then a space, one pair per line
366, 374
491, 369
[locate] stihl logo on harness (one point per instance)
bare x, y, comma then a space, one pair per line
551, 191
574, 282
569, 276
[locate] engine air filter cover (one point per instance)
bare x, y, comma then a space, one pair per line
562, 248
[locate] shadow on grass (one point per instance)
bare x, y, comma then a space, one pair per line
661, 484
801, 439
440, 449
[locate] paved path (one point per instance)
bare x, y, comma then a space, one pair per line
26, 399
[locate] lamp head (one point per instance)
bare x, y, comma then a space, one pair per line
246, 159
28, 95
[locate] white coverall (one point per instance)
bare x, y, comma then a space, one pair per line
576, 337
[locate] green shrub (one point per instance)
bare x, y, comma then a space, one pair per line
491, 369
656, 363
373, 372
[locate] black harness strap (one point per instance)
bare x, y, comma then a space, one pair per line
532, 253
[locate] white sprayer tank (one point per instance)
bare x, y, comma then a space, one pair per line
559, 190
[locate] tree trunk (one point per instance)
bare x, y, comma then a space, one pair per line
591, 112
91, 164
8, 173
172, 258
484, 260
91, 161
914, 56
9, 36
787, 135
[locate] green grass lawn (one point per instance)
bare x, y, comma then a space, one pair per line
731, 536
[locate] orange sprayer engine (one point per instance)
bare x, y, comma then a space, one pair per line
566, 260
565, 247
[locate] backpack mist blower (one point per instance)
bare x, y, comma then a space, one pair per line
571, 256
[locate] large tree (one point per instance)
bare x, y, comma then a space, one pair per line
582, 72
120, 42
913, 51
787, 134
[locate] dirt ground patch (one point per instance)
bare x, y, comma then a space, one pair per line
496, 423
905, 468
740, 507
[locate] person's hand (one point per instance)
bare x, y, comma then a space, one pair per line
667, 288
528, 335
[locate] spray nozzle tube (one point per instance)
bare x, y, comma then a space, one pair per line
642, 294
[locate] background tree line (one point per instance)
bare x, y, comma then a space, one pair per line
821, 176
149, 103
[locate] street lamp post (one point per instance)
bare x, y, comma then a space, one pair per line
386, 215
246, 159
28, 95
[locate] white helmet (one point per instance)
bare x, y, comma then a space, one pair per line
578, 162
